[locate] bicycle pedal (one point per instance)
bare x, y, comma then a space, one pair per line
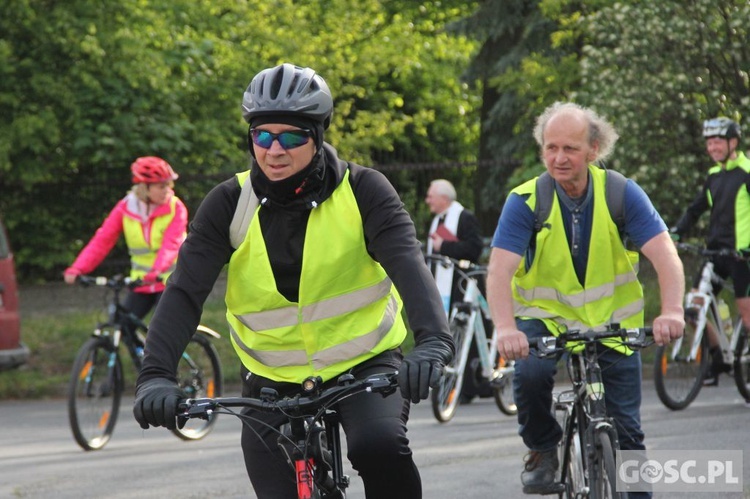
499, 381
554, 488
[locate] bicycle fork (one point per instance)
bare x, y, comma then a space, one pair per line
305, 443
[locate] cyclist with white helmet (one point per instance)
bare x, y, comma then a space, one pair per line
726, 193
154, 222
321, 258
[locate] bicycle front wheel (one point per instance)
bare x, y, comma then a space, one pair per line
678, 377
445, 397
502, 386
572, 471
742, 364
603, 472
199, 375
94, 393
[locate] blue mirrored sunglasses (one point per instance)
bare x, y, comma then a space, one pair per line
287, 140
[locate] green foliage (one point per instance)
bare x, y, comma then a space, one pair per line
86, 88
655, 69
658, 70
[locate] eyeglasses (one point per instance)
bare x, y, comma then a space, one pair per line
287, 140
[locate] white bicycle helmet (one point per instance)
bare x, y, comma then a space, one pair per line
721, 127
288, 89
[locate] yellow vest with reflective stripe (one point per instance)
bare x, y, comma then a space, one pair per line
143, 254
550, 289
348, 309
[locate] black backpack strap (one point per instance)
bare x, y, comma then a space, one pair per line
545, 185
615, 193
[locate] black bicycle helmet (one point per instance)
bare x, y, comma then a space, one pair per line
721, 127
288, 89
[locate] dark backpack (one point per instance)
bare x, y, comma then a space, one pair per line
615, 196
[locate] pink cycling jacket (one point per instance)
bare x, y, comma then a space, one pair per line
107, 235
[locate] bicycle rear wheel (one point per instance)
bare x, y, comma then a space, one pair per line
677, 378
742, 364
603, 472
502, 386
94, 393
445, 396
199, 375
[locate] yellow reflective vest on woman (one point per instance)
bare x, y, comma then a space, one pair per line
143, 253
348, 309
550, 290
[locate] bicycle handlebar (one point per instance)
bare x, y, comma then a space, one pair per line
118, 281
703, 251
465, 265
309, 403
551, 345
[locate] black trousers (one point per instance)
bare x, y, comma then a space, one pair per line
375, 429
140, 304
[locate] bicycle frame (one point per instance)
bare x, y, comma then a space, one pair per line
97, 378
479, 308
467, 322
705, 301
311, 439
584, 412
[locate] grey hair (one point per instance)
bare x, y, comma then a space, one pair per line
444, 188
600, 130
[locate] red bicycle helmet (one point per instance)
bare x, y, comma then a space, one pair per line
151, 170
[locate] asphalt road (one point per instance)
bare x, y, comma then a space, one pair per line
477, 455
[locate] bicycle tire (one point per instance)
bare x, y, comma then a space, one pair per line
742, 364
603, 471
199, 374
678, 381
502, 387
94, 393
573, 476
446, 396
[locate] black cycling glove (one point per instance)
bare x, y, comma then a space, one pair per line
156, 403
421, 370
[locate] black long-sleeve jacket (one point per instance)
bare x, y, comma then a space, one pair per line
390, 239
727, 193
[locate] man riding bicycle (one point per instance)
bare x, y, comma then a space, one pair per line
726, 193
320, 267
572, 270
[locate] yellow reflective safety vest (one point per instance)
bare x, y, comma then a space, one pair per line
142, 253
550, 290
348, 309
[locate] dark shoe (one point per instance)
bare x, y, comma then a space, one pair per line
711, 380
485, 389
538, 475
465, 399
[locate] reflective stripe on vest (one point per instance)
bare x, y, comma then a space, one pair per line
143, 254
328, 357
348, 308
549, 289
331, 307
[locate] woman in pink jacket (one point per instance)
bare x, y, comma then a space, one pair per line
154, 222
